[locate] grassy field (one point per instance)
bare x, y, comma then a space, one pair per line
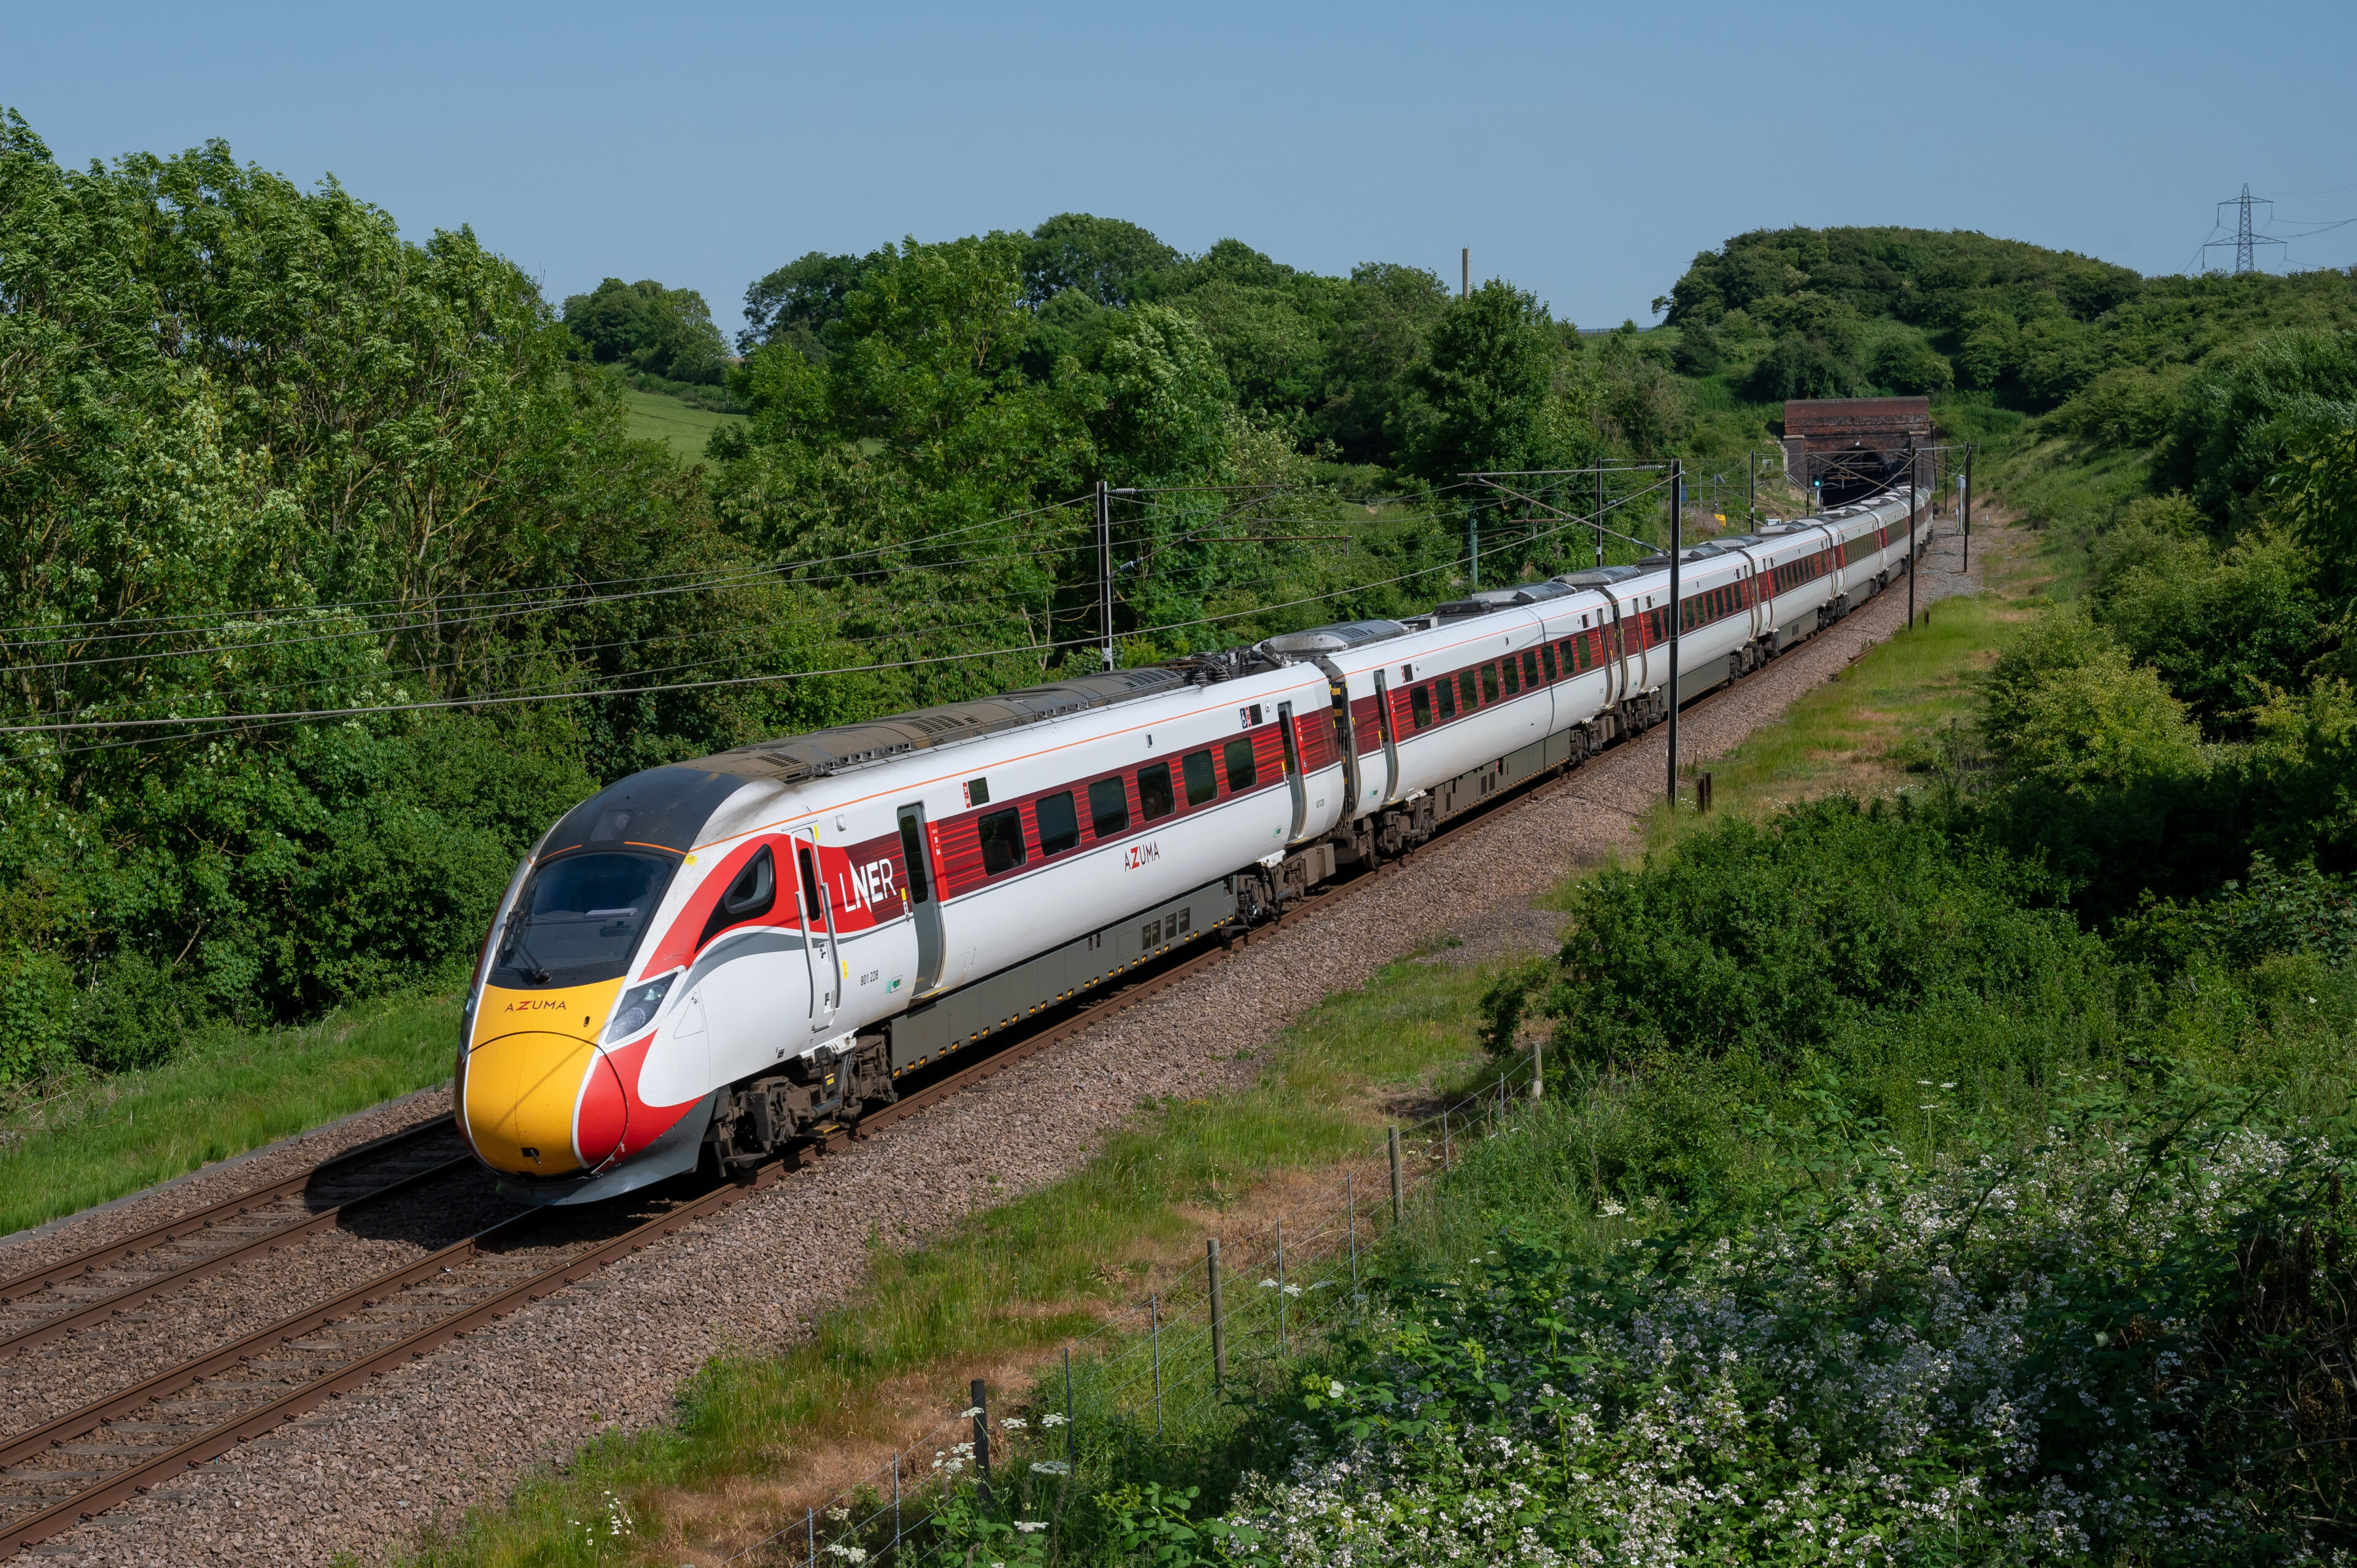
654, 417
231, 1092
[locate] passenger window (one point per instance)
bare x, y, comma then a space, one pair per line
1469, 689
1489, 683
1202, 784
1419, 705
1239, 759
1059, 826
1154, 798
1447, 691
1108, 807
1513, 677
1546, 656
1531, 666
1002, 840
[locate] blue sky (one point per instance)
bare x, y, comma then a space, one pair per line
1587, 152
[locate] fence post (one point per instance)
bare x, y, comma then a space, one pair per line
1399, 1201
1538, 1081
1219, 1314
982, 1437
1447, 1143
810, 1532
1280, 1285
1154, 1318
1351, 1204
895, 1506
1072, 1432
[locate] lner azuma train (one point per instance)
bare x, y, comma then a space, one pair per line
737, 952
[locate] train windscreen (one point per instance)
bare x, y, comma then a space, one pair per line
579, 919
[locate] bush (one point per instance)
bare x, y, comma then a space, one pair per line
2124, 1345
1782, 939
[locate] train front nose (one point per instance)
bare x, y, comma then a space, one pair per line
533, 1058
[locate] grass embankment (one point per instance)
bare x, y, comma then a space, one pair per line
654, 417
227, 1093
759, 1434
994, 1295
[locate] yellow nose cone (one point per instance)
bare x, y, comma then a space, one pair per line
531, 1051
521, 1094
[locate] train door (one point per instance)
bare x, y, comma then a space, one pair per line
923, 907
1383, 728
1293, 771
814, 910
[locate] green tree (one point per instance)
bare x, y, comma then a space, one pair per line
665, 332
1485, 382
800, 301
1102, 258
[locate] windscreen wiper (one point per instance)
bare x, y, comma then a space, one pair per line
520, 922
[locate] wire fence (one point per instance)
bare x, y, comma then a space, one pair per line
1160, 1374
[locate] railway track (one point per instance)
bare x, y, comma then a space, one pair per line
89, 1460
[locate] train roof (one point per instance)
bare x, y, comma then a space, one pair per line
667, 806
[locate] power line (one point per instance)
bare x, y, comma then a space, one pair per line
231, 723
160, 626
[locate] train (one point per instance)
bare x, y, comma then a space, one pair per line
707, 961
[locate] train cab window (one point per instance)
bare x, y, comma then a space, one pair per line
751, 894
1546, 656
754, 890
1513, 676
1155, 801
579, 919
1489, 683
1108, 807
1466, 689
1419, 705
1060, 825
1531, 668
1446, 690
1203, 783
1002, 840
1238, 755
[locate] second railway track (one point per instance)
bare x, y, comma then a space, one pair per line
131, 1441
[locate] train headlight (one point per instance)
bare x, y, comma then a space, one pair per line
638, 1008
